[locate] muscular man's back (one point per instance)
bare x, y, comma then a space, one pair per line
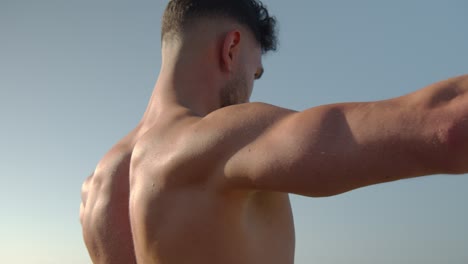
178, 209
104, 208
214, 189
204, 178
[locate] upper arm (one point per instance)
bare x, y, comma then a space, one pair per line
332, 149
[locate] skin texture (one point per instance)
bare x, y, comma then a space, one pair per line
205, 176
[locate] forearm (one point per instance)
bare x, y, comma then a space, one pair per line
393, 140
422, 133
441, 114
454, 110
440, 94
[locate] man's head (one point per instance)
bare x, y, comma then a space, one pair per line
237, 31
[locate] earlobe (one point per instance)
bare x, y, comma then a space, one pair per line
230, 50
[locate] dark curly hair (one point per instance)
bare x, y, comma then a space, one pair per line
250, 13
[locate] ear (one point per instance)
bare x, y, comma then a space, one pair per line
231, 50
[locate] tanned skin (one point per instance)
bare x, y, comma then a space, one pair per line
204, 178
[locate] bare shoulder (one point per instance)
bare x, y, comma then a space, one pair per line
224, 132
231, 128
252, 116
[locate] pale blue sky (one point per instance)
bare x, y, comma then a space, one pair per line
75, 76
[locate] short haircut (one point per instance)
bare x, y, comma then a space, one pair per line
250, 13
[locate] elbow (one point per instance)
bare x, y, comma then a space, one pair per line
454, 147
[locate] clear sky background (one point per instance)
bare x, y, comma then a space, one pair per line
75, 76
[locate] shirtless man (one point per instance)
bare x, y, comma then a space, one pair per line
204, 178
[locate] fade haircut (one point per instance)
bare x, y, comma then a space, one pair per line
250, 13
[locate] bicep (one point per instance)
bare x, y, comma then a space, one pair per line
328, 150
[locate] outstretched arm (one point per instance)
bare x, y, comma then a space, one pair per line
331, 149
